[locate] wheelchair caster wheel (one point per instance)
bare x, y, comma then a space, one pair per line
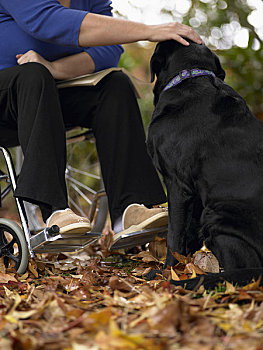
13, 246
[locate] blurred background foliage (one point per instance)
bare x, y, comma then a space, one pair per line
226, 28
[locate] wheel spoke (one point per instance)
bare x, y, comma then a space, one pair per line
6, 262
9, 250
15, 258
10, 244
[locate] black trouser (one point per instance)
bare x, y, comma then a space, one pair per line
31, 103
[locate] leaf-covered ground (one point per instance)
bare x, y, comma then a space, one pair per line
101, 301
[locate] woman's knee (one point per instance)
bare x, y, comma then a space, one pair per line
34, 75
119, 83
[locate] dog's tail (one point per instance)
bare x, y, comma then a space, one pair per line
239, 277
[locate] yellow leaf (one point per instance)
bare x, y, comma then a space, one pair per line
247, 327
205, 249
23, 315
193, 274
230, 288
253, 285
97, 320
174, 275
225, 326
122, 341
259, 324
114, 329
11, 319
33, 268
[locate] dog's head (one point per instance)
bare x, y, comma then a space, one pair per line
171, 57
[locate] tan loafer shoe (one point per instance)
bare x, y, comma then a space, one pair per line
69, 222
138, 218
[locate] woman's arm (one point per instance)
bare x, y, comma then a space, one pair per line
73, 66
99, 30
63, 68
103, 56
50, 21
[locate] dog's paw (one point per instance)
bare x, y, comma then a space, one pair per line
170, 260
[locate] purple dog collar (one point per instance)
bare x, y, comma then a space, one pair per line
185, 74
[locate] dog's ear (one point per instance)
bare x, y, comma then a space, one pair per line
220, 73
156, 64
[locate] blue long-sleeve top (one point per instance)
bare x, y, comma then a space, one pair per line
51, 30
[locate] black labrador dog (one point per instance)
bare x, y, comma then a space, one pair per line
208, 146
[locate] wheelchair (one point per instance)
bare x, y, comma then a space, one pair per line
86, 197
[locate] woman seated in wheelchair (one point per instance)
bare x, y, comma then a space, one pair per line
42, 41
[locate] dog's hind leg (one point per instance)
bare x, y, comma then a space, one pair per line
180, 228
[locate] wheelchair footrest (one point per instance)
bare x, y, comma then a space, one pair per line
133, 239
46, 242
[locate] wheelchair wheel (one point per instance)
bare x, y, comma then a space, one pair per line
86, 192
13, 246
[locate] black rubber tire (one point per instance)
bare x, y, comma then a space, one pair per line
12, 228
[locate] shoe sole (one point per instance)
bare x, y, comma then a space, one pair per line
79, 228
133, 239
156, 221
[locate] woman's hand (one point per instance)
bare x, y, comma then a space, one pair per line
64, 68
32, 56
176, 31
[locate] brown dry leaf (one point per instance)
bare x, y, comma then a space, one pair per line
106, 240
193, 269
74, 313
122, 286
242, 295
32, 267
181, 258
147, 257
5, 278
173, 317
97, 320
158, 248
206, 261
2, 265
